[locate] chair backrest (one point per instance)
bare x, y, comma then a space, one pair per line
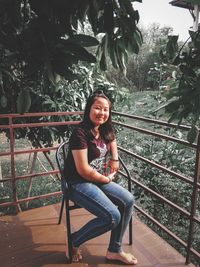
61, 156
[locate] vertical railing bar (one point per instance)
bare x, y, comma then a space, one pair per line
193, 202
129, 189
13, 173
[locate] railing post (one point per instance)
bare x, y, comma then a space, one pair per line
13, 173
193, 201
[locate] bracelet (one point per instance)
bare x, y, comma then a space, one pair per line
110, 180
114, 160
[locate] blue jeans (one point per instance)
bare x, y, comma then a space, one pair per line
111, 204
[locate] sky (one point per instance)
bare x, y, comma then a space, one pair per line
160, 11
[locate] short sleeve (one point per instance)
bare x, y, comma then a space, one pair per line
78, 139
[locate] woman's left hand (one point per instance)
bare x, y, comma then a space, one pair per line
114, 166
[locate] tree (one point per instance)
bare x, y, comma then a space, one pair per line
141, 65
42, 44
182, 97
40, 41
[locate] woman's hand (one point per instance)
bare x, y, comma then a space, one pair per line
111, 176
114, 166
86, 171
114, 162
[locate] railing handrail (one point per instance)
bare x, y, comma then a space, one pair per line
162, 136
12, 125
150, 120
40, 114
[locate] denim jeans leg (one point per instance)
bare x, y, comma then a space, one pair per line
93, 199
125, 202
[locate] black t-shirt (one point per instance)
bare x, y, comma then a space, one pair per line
97, 151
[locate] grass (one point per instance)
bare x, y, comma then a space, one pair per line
39, 185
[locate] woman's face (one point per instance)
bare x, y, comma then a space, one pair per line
99, 111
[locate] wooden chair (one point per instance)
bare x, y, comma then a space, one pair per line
61, 155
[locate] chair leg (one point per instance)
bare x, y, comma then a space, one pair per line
130, 232
61, 209
68, 225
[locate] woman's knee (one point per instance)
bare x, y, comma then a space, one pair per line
130, 200
115, 217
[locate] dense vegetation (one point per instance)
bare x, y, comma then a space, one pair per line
176, 157
42, 46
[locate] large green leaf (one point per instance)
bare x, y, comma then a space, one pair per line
23, 101
108, 17
192, 134
94, 15
85, 40
138, 37
193, 2
103, 65
3, 101
172, 46
111, 51
128, 7
195, 36
1, 79
76, 50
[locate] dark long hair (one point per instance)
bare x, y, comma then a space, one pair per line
106, 129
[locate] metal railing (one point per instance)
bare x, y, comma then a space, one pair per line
11, 126
194, 182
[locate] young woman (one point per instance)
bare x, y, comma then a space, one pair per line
91, 187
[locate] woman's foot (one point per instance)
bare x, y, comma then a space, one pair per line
76, 254
124, 257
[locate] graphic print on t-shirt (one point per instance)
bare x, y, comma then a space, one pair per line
99, 163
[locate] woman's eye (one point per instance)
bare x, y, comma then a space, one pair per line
99, 108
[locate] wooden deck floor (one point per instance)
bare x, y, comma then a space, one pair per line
33, 239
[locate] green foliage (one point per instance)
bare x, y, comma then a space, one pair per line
182, 97
23, 101
174, 156
40, 185
40, 41
68, 96
194, 2
142, 68
47, 62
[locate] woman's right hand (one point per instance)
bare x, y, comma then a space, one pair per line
111, 176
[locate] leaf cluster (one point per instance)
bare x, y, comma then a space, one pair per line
46, 59
183, 86
41, 41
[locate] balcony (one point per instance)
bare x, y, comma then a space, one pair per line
33, 238
33, 235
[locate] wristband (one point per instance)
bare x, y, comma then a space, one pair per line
114, 160
110, 180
